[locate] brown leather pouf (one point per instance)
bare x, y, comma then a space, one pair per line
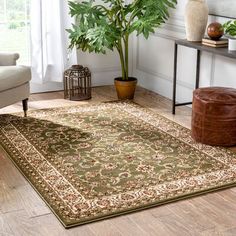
214, 116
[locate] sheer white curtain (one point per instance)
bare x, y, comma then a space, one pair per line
49, 43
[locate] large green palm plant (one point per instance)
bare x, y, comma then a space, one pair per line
108, 26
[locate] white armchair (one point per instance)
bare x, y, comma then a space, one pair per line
14, 81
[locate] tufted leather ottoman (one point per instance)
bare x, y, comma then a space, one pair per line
214, 116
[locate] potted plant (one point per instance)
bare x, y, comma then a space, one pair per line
230, 32
108, 26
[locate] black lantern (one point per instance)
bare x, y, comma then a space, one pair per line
77, 83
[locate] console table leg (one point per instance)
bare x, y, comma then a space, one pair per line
198, 69
175, 79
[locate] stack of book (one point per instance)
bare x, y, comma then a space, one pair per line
221, 43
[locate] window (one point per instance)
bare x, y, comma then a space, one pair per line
14, 28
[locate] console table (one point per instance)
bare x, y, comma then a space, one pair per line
199, 47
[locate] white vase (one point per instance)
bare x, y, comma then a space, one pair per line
196, 17
232, 44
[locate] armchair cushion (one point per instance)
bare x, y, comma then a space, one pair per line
8, 59
13, 76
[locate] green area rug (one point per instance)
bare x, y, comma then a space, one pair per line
97, 161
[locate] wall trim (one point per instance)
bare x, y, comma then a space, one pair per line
155, 73
174, 27
165, 36
164, 77
105, 69
172, 24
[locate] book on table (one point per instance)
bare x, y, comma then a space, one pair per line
222, 41
215, 45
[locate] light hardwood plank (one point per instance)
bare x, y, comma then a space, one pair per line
9, 199
31, 202
214, 212
187, 214
21, 224
104, 228
219, 232
14, 180
52, 227
5, 229
150, 224
127, 227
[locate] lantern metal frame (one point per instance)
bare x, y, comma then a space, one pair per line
77, 83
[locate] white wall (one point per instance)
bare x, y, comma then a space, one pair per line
154, 59
152, 62
104, 68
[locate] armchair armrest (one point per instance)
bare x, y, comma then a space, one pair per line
8, 59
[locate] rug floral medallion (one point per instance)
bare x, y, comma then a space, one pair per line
97, 161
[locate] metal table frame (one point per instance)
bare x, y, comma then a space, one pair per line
199, 47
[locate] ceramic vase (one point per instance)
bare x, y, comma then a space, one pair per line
196, 17
232, 44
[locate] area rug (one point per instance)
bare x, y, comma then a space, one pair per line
98, 161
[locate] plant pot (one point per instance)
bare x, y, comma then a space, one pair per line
232, 44
196, 17
125, 88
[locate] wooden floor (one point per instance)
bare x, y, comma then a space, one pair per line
22, 212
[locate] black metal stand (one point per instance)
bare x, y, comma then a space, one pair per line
174, 104
175, 78
195, 45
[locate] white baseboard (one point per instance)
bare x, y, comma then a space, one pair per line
47, 87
